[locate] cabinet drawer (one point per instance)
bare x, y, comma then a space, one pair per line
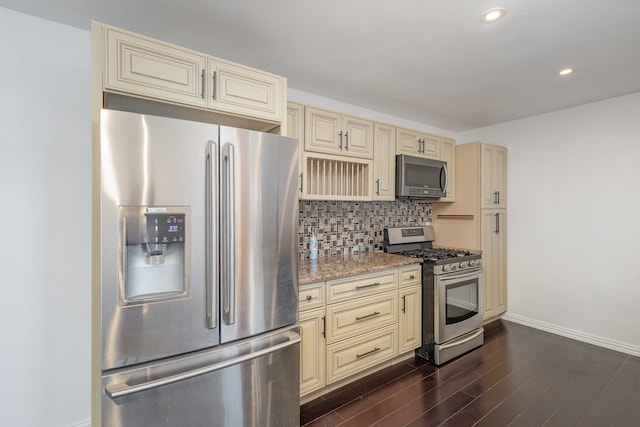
347, 319
361, 285
351, 356
411, 275
311, 296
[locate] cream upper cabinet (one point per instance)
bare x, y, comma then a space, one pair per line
416, 143
145, 67
334, 133
448, 154
295, 129
384, 161
242, 90
494, 176
142, 66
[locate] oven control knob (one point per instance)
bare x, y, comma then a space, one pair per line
446, 267
453, 267
464, 264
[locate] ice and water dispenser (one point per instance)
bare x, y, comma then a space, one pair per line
154, 253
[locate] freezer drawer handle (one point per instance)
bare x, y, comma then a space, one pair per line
369, 285
115, 391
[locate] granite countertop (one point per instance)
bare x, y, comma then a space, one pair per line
336, 267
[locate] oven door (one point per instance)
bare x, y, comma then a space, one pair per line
458, 304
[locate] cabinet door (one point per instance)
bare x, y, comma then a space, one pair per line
447, 154
500, 175
430, 146
493, 166
494, 245
245, 91
142, 66
407, 142
384, 160
322, 130
488, 225
500, 262
312, 350
488, 193
295, 129
410, 327
357, 137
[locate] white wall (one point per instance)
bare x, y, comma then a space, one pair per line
574, 219
45, 188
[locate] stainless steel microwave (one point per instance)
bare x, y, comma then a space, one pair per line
420, 178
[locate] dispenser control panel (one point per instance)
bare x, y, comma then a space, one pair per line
165, 227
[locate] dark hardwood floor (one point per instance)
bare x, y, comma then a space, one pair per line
520, 377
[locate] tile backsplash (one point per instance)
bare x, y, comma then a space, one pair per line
351, 227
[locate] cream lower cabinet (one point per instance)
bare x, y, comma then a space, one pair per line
311, 319
360, 324
312, 355
494, 245
410, 308
149, 68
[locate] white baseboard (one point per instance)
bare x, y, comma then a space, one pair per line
573, 334
86, 423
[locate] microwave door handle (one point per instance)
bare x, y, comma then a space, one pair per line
446, 178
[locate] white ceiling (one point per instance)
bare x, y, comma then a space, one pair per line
430, 61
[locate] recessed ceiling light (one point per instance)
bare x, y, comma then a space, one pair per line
493, 15
566, 71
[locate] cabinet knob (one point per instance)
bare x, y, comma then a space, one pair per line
412, 277
309, 297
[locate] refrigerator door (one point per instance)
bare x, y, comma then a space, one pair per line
258, 234
250, 383
158, 241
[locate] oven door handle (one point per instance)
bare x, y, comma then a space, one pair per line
462, 341
457, 276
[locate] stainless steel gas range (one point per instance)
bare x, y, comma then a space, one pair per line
452, 292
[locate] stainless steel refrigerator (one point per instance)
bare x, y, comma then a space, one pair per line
198, 275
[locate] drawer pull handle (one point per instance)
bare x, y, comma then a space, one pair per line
358, 356
309, 297
369, 285
375, 313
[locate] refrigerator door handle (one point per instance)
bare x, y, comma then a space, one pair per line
212, 231
115, 391
228, 233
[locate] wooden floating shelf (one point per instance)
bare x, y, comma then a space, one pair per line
445, 216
